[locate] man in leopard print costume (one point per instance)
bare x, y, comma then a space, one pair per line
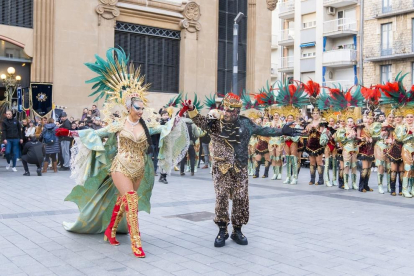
230, 134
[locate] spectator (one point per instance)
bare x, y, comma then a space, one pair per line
81, 124
194, 132
96, 123
25, 126
30, 131
51, 142
84, 114
39, 127
33, 153
205, 141
89, 115
165, 117
95, 111
12, 136
65, 143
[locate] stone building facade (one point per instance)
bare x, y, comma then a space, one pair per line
388, 41
66, 34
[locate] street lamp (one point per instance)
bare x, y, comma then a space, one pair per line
239, 17
11, 82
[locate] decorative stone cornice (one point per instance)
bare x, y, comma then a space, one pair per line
192, 14
271, 4
107, 10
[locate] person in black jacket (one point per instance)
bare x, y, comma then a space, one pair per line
33, 153
12, 136
65, 143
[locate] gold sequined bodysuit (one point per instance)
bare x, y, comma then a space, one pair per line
130, 157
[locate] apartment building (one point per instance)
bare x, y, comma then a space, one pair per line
319, 40
388, 40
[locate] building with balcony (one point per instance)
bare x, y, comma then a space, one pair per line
180, 45
388, 41
319, 40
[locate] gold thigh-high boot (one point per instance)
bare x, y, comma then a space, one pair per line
117, 214
131, 208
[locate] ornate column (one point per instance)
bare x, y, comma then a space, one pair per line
43, 39
251, 46
189, 47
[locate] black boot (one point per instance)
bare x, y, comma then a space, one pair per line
266, 172
366, 186
164, 178
222, 235
362, 178
27, 173
320, 175
400, 181
393, 180
256, 174
39, 171
341, 179
238, 236
312, 174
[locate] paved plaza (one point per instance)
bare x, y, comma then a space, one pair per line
293, 230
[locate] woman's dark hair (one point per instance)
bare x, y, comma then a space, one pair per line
147, 134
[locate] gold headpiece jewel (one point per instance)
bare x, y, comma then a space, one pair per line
289, 110
232, 101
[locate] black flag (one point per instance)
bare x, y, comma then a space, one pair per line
41, 98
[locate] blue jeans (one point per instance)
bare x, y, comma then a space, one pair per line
12, 150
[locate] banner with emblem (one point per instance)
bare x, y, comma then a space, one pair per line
41, 95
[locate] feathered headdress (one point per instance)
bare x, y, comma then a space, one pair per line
211, 103
291, 94
313, 89
395, 93
196, 103
249, 104
342, 100
118, 82
117, 78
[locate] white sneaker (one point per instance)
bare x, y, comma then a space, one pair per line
14, 169
8, 167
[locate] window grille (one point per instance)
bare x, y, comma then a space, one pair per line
147, 30
16, 13
156, 51
228, 9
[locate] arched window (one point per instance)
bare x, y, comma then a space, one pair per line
228, 10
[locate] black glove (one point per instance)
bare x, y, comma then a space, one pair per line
289, 131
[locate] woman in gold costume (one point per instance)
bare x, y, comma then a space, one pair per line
394, 153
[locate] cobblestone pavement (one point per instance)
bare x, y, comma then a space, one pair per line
293, 230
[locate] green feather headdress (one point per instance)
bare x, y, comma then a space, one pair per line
117, 78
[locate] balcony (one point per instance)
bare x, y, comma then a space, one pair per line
340, 58
275, 41
307, 65
400, 50
345, 84
398, 7
340, 27
286, 37
287, 9
286, 64
339, 3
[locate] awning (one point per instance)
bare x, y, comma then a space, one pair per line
309, 44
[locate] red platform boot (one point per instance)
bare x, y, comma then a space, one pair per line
131, 208
117, 214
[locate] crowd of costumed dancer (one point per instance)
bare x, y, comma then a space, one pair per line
372, 125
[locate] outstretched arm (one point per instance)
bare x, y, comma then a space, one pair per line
287, 130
